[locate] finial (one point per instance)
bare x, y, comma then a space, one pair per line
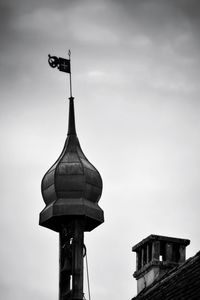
63, 65
70, 74
71, 122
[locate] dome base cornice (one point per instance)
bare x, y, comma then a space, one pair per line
63, 211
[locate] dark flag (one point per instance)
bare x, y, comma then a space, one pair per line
64, 65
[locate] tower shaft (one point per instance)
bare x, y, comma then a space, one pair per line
71, 260
77, 264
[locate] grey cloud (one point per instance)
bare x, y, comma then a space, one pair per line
160, 17
190, 8
136, 74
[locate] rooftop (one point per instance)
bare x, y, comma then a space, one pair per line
182, 282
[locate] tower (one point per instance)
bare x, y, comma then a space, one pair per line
71, 189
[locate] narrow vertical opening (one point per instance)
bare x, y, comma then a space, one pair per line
145, 255
150, 252
163, 250
70, 282
176, 252
142, 257
139, 259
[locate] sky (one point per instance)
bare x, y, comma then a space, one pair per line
135, 79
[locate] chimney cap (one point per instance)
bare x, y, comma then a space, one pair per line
154, 237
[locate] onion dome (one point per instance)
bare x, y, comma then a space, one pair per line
72, 186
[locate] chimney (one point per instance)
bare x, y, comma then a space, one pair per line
155, 255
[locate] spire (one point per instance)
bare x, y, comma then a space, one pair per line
72, 186
71, 122
71, 190
64, 65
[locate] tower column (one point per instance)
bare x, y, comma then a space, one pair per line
77, 260
65, 262
71, 260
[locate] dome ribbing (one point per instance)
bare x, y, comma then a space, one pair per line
73, 186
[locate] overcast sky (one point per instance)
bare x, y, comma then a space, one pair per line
136, 73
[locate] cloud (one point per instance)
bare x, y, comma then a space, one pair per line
136, 71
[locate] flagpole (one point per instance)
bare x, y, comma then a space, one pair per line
70, 74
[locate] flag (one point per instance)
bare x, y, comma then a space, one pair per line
64, 65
